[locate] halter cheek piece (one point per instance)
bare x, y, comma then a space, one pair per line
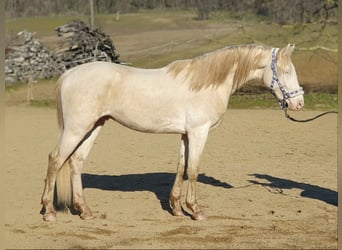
286, 95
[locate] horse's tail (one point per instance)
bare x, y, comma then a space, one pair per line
59, 102
63, 187
63, 180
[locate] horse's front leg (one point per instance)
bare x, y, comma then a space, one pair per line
176, 191
76, 180
197, 140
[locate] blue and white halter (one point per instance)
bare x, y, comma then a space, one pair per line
286, 95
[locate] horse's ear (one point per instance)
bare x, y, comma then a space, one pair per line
288, 50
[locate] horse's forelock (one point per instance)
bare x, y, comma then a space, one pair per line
283, 63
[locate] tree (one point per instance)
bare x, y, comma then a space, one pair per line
203, 9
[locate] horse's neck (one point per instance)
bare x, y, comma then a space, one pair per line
255, 74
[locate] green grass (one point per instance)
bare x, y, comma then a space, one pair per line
148, 21
313, 101
321, 101
15, 86
41, 25
129, 22
43, 103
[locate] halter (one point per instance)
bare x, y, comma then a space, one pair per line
275, 79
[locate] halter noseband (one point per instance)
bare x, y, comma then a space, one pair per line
275, 79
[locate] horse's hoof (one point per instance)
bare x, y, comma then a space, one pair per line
177, 212
49, 217
199, 216
86, 216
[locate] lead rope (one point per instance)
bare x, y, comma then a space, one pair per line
309, 119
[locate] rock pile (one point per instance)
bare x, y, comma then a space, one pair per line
26, 58
79, 44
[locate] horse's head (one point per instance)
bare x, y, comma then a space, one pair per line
281, 77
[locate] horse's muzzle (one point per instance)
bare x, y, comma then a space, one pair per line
296, 103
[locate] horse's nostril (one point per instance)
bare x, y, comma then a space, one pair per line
300, 105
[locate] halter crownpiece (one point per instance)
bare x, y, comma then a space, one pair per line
275, 79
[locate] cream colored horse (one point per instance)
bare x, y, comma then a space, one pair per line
188, 97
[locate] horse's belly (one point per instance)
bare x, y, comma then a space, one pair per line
153, 121
152, 127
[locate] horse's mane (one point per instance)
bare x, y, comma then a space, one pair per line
213, 68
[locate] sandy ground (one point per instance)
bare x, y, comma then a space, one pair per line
264, 182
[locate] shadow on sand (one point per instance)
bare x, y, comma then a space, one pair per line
309, 191
159, 183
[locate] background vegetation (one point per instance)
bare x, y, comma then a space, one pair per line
289, 11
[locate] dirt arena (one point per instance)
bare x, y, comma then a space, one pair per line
265, 182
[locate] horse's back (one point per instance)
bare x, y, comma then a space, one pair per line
91, 77
93, 69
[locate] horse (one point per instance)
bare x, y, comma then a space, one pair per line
187, 97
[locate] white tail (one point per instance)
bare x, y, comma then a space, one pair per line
63, 179
63, 186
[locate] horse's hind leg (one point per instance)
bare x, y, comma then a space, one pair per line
77, 161
57, 158
176, 191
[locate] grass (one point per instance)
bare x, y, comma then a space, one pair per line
44, 92
148, 21
313, 101
41, 25
262, 33
129, 23
321, 101
43, 103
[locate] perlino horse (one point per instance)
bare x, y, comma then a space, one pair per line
188, 97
